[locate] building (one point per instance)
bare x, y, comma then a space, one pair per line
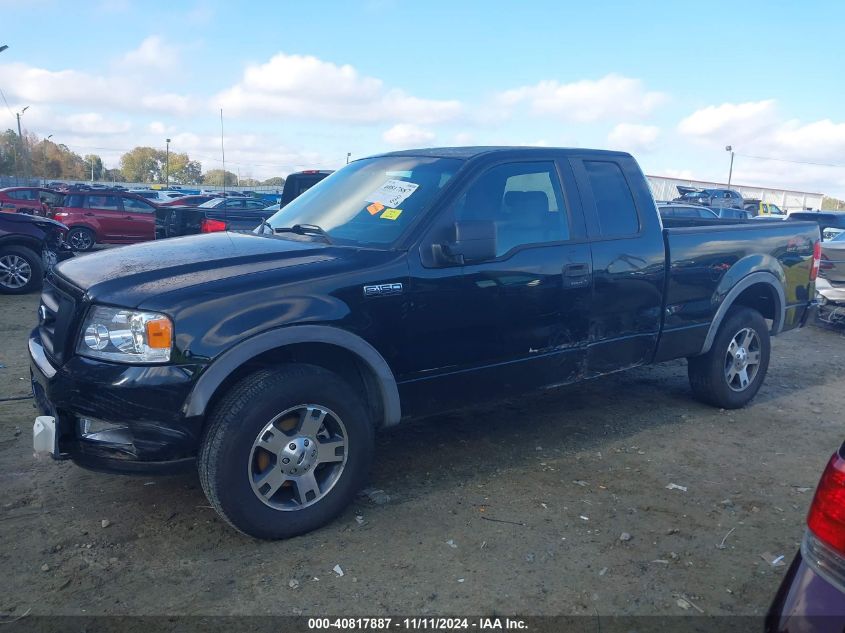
663, 188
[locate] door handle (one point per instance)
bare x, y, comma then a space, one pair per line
127, 217
90, 215
576, 270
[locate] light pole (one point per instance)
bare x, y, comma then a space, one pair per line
348, 154
20, 140
729, 148
167, 165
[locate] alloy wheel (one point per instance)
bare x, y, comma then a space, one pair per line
297, 457
15, 271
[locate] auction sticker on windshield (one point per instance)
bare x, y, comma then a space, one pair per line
392, 193
391, 214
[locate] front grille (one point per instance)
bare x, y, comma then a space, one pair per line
56, 319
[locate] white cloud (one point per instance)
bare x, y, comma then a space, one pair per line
730, 123
308, 87
407, 135
610, 98
634, 137
31, 85
152, 53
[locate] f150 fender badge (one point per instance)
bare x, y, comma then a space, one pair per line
382, 290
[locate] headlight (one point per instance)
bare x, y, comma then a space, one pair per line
126, 336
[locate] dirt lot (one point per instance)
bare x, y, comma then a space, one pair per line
515, 509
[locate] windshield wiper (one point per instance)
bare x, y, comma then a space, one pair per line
304, 229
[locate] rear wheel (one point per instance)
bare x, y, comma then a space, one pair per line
21, 270
81, 239
285, 451
731, 373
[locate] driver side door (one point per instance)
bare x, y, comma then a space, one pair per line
515, 321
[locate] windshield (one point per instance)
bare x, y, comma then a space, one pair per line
370, 201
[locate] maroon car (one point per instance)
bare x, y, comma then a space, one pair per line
812, 596
106, 217
33, 200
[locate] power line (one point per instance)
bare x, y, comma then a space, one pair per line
786, 160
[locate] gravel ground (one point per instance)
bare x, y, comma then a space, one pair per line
551, 504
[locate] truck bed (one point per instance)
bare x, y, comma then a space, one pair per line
707, 259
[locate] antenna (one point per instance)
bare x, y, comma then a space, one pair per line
222, 150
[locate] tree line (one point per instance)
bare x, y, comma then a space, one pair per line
42, 158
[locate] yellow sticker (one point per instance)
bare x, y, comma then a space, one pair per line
391, 214
375, 207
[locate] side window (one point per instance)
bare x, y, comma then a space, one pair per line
133, 204
254, 204
523, 200
74, 201
617, 213
234, 204
104, 203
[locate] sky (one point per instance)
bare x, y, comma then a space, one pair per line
301, 84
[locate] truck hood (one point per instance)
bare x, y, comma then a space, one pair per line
130, 274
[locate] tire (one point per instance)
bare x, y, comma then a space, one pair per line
81, 239
232, 465
717, 377
21, 270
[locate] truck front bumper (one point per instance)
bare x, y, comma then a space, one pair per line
112, 417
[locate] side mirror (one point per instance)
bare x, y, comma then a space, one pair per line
474, 242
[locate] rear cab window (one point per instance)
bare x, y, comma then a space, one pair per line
615, 208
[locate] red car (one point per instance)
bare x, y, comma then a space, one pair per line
28, 199
811, 598
106, 217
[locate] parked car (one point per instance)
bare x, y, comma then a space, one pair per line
831, 223
94, 217
669, 210
29, 246
714, 198
32, 200
299, 182
731, 213
758, 208
187, 201
233, 213
811, 597
404, 285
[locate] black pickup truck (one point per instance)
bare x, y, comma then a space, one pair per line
402, 285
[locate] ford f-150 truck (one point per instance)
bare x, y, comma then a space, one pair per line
402, 285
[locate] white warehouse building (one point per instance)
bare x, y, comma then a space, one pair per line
663, 188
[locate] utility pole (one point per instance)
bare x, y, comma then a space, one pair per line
348, 154
222, 150
729, 148
23, 147
167, 165
92, 168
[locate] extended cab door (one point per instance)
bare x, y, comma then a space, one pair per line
628, 259
514, 321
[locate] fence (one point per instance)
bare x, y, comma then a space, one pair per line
667, 188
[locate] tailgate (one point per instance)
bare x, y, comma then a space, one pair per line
832, 265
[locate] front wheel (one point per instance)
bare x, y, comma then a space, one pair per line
285, 451
81, 239
732, 372
21, 270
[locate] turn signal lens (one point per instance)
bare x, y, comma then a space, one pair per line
159, 333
